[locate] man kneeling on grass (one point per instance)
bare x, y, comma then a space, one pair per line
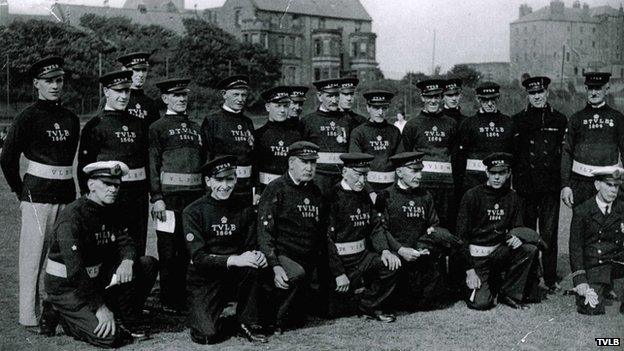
489, 223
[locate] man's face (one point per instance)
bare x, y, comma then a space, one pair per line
346, 100
235, 98
301, 170
496, 179
103, 191
452, 100
488, 104
355, 178
377, 113
49, 89
409, 176
538, 98
139, 75
221, 186
176, 102
329, 101
597, 95
117, 99
607, 189
432, 103
295, 109
278, 111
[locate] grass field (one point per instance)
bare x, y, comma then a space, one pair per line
552, 325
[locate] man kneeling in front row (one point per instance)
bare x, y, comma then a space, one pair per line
95, 283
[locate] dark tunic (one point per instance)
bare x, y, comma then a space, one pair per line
271, 150
454, 113
381, 140
45, 133
143, 107
356, 117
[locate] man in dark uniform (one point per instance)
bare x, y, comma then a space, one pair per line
538, 135
273, 138
225, 265
229, 131
378, 138
96, 282
115, 135
297, 98
328, 128
434, 134
594, 138
407, 213
597, 242
451, 96
47, 134
291, 232
486, 132
346, 98
359, 256
489, 218
139, 104
176, 155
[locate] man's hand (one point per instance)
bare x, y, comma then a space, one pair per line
390, 260
106, 322
408, 253
472, 279
260, 259
246, 259
567, 196
342, 283
158, 211
280, 277
581, 289
124, 271
514, 242
591, 298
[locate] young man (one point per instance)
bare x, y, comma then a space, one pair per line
176, 156
95, 280
47, 134
225, 265
451, 97
378, 138
488, 223
358, 255
115, 135
139, 105
538, 135
596, 242
346, 98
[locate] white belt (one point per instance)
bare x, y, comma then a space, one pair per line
437, 167
380, 177
329, 157
585, 170
266, 178
481, 251
49, 172
243, 171
475, 165
189, 179
134, 175
350, 248
59, 270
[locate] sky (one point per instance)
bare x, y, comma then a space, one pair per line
466, 31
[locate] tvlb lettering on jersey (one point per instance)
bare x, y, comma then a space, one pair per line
333, 130
279, 149
434, 134
185, 133
492, 131
308, 210
224, 228
495, 214
360, 219
379, 144
57, 134
412, 211
126, 135
137, 111
598, 123
243, 135
105, 235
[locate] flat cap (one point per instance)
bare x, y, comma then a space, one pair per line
356, 160
378, 97
222, 166
498, 161
430, 87
348, 84
117, 80
452, 86
298, 93
106, 169
135, 60
173, 85
237, 81
608, 173
47, 67
305, 150
537, 83
328, 85
488, 90
597, 79
412, 159
275, 94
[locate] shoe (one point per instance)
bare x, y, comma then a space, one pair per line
138, 332
252, 336
49, 319
553, 288
174, 310
33, 329
378, 315
512, 303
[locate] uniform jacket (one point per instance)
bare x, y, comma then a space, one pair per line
143, 107
228, 133
381, 140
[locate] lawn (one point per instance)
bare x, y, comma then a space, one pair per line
552, 325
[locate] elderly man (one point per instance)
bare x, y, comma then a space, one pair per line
47, 134
597, 243
95, 280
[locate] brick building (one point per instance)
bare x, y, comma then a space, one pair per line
571, 40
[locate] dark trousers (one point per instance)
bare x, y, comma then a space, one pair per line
420, 284
544, 208
124, 300
518, 269
134, 207
582, 190
210, 291
172, 254
378, 282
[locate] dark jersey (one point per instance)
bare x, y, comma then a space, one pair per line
271, 150
454, 113
381, 140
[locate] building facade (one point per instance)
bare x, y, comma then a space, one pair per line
491, 71
565, 42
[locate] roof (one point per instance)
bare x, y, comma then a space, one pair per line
154, 4
169, 20
348, 9
569, 15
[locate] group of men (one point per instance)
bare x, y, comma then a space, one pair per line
333, 207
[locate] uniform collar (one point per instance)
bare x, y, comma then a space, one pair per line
228, 109
599, 106
173, 113
602, 206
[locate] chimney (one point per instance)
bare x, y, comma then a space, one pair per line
142, 8
525, 9
557, 7
105, 3
576, 4
585, 9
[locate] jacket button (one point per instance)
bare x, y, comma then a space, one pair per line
599, 240
600, 261
545, 141
532, 142
531, 153
599, 252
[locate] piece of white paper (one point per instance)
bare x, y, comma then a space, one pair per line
167, 226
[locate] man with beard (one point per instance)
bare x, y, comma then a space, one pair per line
347, 98
47, 134
297, 98
538, 135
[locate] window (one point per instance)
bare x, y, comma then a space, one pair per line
358, 26
575, 70
290, 75
593, 44
555, 54
593, 29
255, 38
354, 49
317, 74
238, 21
533, 28
321, 23
246, 38
363, 49
326, 47
280, 45
318, 49
580, 42
568, 56
288, 46
581, 29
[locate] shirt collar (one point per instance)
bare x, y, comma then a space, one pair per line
345, 186
169, 112
322, 109
602, 205
228, 109
599, 106
293, 178
402, 185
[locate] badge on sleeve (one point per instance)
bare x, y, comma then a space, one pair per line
74, 247
190, 237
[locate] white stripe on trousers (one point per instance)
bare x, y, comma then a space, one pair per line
37, 222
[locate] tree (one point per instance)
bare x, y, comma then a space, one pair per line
415, 77
469, 76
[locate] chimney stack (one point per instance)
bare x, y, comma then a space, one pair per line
557, 7
525, 9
